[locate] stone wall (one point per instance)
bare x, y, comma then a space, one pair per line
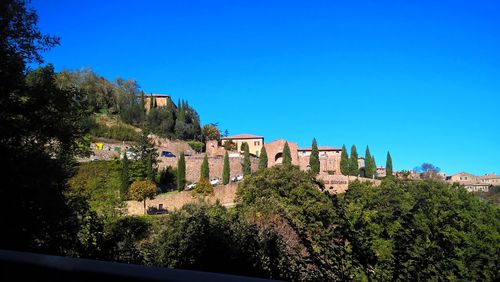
225, 194
216, 164
339, 183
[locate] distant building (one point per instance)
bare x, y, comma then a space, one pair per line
381, 172
159, 100
329, 159
475, 183
255, 143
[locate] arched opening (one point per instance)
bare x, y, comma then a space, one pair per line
278, 159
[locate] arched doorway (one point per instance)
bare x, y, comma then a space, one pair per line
278, 159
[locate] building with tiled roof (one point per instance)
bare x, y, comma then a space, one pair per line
254, 142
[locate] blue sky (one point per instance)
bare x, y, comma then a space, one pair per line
418, 78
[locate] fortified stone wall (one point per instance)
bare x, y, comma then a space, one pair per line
216, 165
335, 184
225, 194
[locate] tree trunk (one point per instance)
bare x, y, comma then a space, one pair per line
145, 207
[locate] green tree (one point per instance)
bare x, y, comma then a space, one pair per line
205, 169
226, 170
344, 161
353, 162
243, 146
246, 166
124, 178
181, 172
388, 165
370, 170
263, 159
314, 163
146, 165
287, 155
211, 132
141, 190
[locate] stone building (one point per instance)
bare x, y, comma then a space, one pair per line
255, 143
274, 152
329, 159
475, 183
159, 100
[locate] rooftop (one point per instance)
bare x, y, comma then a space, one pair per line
243, 136
158, 95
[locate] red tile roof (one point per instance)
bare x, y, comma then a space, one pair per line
243, 136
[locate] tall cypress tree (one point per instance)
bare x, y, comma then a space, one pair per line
205, 170
369, 170
247, 169
374, 165
353, 162
314, 163
226, 170
151, 102
181, 172
124, 178
344, 161
388, 165
263, 159
287, 155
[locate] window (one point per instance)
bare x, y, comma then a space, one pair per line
160, 206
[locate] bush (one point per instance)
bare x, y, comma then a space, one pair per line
117, 132
203, 188
196, 146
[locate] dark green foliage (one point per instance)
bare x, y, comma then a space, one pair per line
205, 169
229, 145
263, 159
147, 164
162, 121
243, 146
124, 177
226, 170
287, 155
314, 163
388, 165
124, 238
246, 165
344, 161
353, 162
167, 178
370, 169
181, 172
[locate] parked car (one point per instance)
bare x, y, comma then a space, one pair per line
167, 154
214, 181
237, 178
191, 186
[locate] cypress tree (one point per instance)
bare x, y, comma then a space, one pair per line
353, 162
263, 158
287, 155
205, 170
388, 165
226, 170
247, 169
375, 166
369, 170
344, 161
151, 102
181, 172
124, 178
314, 163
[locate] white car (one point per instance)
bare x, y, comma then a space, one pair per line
191, 186
214, 181
237, 178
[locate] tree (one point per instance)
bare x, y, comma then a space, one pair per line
247, 169
211, 132
353, 162
124, 178
263, 159
146, 165
141, 190
428, 171
205, 169
243, 146
226, 170
388, 165
370, 169
314, 163
181, 172
344, 161
229, 145
287, 155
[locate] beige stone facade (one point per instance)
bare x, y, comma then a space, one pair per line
329, 159
475, 183
255, 143
159, 100
274, 152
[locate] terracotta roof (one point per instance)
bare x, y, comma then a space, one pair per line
157, 95
243, 136
321, 148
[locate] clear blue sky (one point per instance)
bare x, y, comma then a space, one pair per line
418, 78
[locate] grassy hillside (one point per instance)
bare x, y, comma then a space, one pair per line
110, 127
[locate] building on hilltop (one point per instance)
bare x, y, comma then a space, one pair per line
159, 100
475, 183
329, 159
274, 151
255, 143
